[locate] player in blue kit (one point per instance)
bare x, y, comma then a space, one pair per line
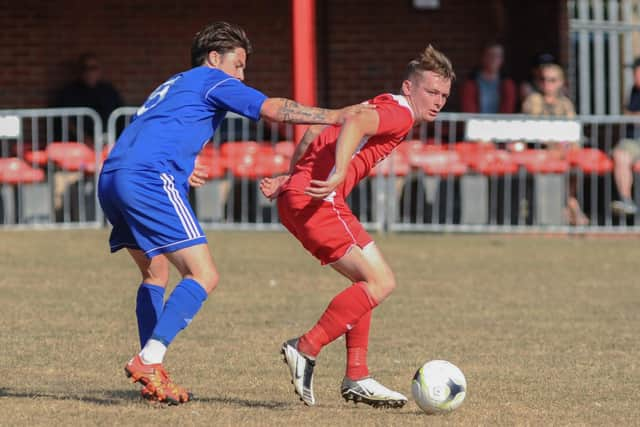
144, 185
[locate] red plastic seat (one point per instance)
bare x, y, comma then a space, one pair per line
539, 161
214, 164
16, 171
72, 156
494, 163
408, 147
286, 148
438, 160
590, 160
36, 157
470, 152
240, 149
106, 150
395, 164
255, 166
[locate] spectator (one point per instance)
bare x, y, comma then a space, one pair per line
627, 152
487, 89
89, 90
551, 102
531, 85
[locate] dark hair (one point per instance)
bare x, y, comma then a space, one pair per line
221, 37
635, 64
542, 59
433, 60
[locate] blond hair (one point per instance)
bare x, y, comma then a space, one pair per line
432, 60
553, 67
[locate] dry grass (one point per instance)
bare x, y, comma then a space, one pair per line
545, 330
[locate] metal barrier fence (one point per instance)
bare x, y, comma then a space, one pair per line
48, 164
521, 181
444, 178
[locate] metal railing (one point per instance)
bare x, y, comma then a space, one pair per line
48, 164
517, 199
442, 179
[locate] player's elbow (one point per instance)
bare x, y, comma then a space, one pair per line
270, 108
278, 110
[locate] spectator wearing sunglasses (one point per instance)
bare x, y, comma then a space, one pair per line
552, 102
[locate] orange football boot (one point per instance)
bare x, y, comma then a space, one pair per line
157, 384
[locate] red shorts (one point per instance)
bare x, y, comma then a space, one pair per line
326, 229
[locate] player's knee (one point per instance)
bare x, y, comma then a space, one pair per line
212, 281
159, 277
389, 285
382, 287
207, 279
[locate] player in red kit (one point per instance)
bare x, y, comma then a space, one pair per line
327, 164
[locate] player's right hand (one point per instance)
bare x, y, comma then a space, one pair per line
352, 110
319, 189
270, 187
197, 177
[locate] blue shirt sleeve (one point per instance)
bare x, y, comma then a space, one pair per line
233, 95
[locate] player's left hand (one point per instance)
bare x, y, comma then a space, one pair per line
197, 177
270, 187
319, 189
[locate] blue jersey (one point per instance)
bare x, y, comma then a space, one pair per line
179, 117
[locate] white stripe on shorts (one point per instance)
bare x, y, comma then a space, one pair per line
183, 213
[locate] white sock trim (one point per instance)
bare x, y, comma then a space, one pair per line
153, 352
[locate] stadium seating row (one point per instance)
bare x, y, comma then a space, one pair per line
251, 160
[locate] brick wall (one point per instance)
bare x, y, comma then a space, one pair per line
364, 44
139, 43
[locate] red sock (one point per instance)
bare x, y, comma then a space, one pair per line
342, 314
357, 347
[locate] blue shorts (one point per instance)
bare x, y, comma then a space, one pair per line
149, 211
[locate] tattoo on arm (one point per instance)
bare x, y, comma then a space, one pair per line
293, 112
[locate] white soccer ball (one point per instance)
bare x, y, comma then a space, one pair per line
439, 386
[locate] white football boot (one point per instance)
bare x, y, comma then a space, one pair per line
369, 391
301, 368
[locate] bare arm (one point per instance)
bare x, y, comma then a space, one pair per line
356, 127
308, 137
270, 187
289, 111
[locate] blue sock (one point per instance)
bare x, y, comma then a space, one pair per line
149, 303
183, 304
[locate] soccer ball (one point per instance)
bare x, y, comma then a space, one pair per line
439, 386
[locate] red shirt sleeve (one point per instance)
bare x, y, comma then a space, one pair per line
395, 120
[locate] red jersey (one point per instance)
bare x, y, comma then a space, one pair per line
318, 162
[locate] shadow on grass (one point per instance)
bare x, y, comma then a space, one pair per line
109, 397
121, 397
235, 401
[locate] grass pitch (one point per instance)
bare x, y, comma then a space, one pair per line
545, 330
